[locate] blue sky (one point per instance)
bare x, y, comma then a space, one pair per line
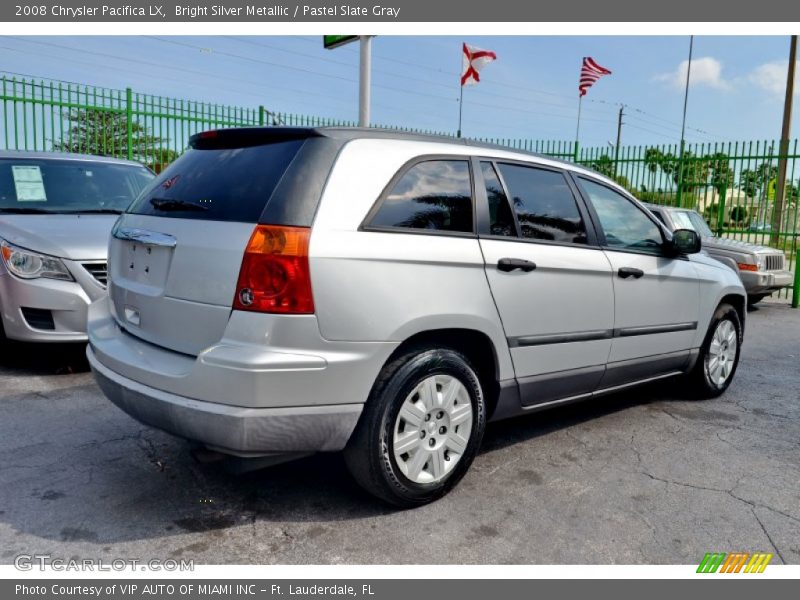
529, 92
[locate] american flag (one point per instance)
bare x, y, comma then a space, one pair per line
590, 72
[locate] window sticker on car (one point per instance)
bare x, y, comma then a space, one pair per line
28, 183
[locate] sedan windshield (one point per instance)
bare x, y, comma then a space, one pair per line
47, 186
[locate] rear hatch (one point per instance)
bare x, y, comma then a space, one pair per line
175, 255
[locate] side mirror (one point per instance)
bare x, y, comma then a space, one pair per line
684, 241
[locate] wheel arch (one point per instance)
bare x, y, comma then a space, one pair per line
739, 303
474, 344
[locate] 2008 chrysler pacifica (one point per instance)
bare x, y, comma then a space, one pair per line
280, 291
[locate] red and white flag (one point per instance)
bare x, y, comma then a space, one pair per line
590, 72
474, 59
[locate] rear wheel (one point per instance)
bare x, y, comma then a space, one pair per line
719, 354
421, 428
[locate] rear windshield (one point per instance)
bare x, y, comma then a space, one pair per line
68, 186
218, 184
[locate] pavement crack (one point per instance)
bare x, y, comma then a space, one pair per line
766, 533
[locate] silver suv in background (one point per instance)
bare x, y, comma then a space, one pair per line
281, 291
56, 214
762, 269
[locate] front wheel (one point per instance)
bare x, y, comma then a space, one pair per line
719, 354
421, 428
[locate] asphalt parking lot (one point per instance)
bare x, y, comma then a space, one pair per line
641, 477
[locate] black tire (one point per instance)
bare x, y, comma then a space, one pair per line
369, 455
701, 384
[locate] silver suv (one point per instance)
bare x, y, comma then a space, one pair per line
280, 291
762, 269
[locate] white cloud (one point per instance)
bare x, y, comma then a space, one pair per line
705, 71
771, 77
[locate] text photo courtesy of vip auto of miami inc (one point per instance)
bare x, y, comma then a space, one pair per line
387, 300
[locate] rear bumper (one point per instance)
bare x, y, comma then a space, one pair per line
231, 429
765, 282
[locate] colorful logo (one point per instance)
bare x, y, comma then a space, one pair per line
735, 562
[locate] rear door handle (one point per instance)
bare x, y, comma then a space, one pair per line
626, 272
509, 264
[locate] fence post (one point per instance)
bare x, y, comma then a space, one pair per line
722, 193
796, 288
129, 121
575, 153
261, 112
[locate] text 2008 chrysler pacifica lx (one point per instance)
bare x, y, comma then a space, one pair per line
280, 291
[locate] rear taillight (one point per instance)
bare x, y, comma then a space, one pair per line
275, 277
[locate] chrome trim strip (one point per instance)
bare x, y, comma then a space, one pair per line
651, 329
602, 334
144, 236
560, 338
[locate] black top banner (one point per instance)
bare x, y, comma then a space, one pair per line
402, 11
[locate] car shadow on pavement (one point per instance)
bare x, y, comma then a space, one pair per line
20, 358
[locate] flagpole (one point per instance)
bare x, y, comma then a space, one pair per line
460, 105
578, 128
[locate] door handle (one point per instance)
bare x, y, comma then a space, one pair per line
509, 264
626, 272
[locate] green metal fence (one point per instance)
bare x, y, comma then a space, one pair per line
733, 185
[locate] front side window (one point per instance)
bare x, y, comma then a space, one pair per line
434, 195
545, 206
625, 226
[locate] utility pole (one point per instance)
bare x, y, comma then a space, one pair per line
683, 123
365, 74
780, 188
619, 138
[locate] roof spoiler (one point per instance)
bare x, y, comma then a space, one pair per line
242, 137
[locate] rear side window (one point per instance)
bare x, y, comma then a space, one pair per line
218, 184
434, 195
545, 206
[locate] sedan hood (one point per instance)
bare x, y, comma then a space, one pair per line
737, 246
74, 237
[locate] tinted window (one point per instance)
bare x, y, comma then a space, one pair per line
222, 184
59, 185
624, 225
545, 206
501, 221
434, 194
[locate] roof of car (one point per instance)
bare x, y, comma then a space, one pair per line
29, 154
345, 134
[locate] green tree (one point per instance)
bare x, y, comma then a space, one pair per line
105, 133
721, 174
603, 164
653, 157
754, 182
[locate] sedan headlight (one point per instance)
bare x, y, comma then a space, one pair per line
32, 265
